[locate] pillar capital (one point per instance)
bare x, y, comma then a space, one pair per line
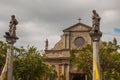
11, 39
95, 36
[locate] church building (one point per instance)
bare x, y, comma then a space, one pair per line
73, 37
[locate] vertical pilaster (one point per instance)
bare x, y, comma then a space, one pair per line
65, 40
70, 40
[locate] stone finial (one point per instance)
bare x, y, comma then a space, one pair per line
114, 41
46, 44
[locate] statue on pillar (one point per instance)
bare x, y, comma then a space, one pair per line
114, 42
46, 44
95, 32
12, 25
95, 22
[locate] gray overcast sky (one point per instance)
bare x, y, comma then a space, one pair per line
41, 19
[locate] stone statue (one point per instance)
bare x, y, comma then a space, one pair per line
12, 29
95, 22
114, 41
46, 44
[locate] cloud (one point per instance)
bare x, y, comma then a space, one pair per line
110, 15
41, 19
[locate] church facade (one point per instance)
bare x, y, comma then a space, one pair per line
76, 36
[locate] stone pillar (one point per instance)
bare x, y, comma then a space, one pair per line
65, 71
95, 34
11, 40
68, 72
10, 52
96, 62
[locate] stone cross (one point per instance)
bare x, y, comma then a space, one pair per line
79, 19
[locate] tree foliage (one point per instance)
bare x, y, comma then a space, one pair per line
109, 60
3, 51
27, 64
30, 66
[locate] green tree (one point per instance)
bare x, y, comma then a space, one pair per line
109, 60
82, 59
3, 51
30, 65
51, 73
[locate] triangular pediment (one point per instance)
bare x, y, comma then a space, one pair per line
78, 27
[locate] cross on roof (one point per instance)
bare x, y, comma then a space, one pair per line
79, 19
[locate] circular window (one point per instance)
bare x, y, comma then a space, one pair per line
79, 41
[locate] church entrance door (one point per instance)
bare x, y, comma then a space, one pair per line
78, 77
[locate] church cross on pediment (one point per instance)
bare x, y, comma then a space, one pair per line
79, 19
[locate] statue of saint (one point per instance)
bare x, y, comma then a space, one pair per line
95, 21
114, 41
12, 29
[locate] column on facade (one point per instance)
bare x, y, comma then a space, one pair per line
57, 69
67, 72
70, 40
60, 72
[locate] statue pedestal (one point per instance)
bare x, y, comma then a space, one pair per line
11, 39
95, 36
